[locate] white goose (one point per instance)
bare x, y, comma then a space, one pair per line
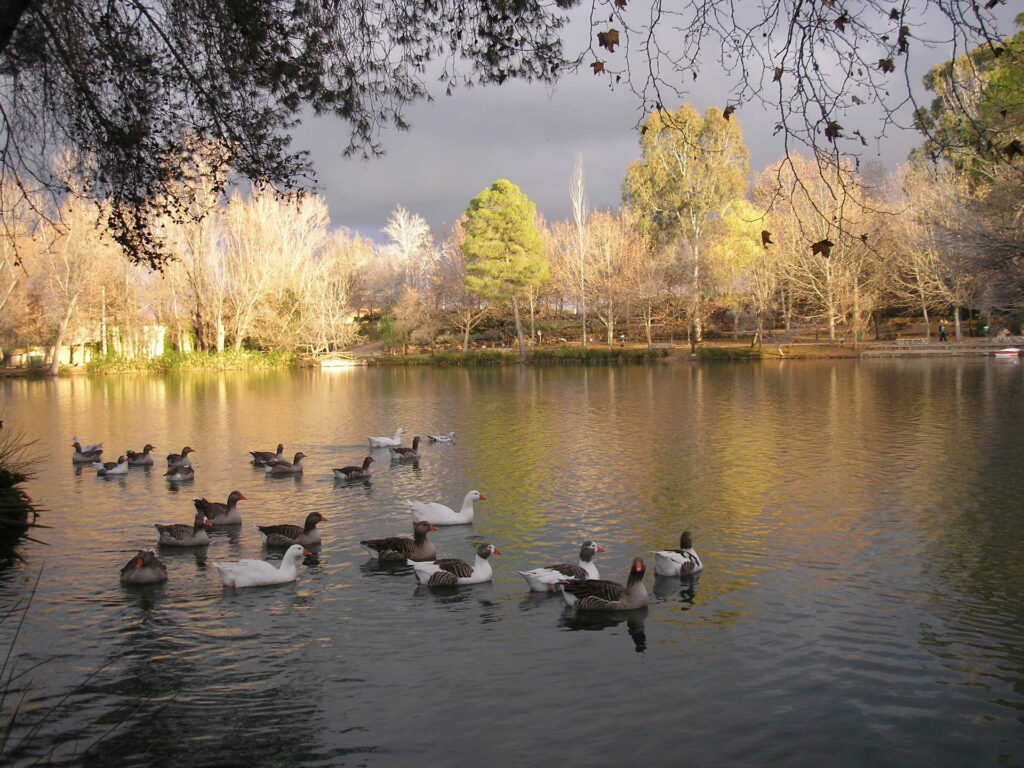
438, 514
441, 438
678, 562
545, 579
451, 571
111, 468
259, 573
387, 442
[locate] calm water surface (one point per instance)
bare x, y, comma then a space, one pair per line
861, 524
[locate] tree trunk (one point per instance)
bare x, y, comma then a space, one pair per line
465, 338
956, 323
519, 329
61, 330
533, 321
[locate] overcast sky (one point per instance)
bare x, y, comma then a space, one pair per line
529, 134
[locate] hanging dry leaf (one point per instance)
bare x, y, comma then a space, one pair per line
833, 130
901, 41
894, 15
886, 65
608, 39
598, 67
860, 136
864, 238
766, 238
822, 248
778, 75
856, 99
841, 22
727, 112
620, 3
992, 4
1013, 149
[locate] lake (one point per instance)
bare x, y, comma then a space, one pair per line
861, 523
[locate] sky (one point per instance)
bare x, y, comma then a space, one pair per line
531, 135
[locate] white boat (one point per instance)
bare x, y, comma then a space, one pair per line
1008, 352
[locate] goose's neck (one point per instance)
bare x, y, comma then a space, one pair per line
481, 566
467, 504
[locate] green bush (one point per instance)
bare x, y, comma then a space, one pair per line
727, 353
595, 355
229, 359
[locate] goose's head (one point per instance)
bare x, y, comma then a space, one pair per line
636, 571
476, 496
486, 550
589, 549
236, 496
685, 540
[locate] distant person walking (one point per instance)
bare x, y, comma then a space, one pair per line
942, 331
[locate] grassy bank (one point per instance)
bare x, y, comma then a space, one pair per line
543, 356
170, 362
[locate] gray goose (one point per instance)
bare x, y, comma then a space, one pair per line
402, 452
284, 535
85, 455
602, 595
451, 571
286, 467
353, 472
180, 459
222, 514
144, 568
144, 459
182, 535
402, 548
110, 468
683, 561
262, 458
180, 474
547, 578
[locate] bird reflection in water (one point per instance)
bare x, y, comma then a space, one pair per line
683, 587
597, 620
366, 482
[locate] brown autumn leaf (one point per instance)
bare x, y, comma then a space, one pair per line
597, 66
992, 4
727, 112
997, 51
620, 3
901, 40
864, 238
833, 130
778, 127
860, 136
894, 14
856, 99
766, 238
886, 65
608, 39
1013, 149
822, 247
778, 75
841, 22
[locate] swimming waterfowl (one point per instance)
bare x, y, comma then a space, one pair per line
182, 535
545, 579
451, 571
180, 459
402, 452
286, 467
92, 447
441, 438
439, 514
180, 474
144, 568
85, 456
259, 573
402, 548
262, 458
387, 442
222, 514
285, 535
678, 562
354, 473
602, 595
111, 468
143, 459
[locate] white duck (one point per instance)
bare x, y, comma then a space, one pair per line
545, 579
438, 514
441, 438
451, 571
259, 573
111, 468
678, 562
387, 442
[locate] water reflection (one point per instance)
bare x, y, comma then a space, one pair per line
683, 587
596, 621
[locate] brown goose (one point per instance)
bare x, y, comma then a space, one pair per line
144, 568
402, 452
402, 548
602, 595
144, 459
285, 535
222, 514
180, 459
286, 467
182, 535
353, 472
262, 458
545, 579
85, 455
450, 571
111, 468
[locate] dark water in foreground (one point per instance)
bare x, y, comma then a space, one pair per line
861, 525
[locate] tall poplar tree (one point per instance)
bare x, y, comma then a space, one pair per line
504, 250
689, 170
